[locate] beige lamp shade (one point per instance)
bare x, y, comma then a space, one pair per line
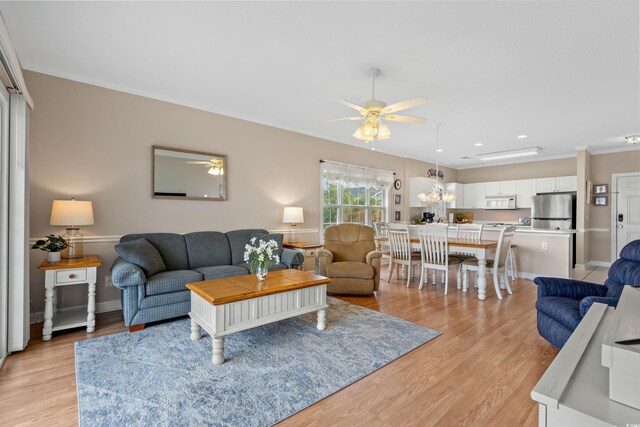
71, 212
292, 215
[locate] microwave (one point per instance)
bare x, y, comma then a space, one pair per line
500, 202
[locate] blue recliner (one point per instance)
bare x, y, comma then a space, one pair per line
562, 303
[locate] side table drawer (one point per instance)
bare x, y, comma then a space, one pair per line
71, 276
310, 252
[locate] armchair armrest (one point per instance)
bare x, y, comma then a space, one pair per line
569, 288
125, 274
324, 257
371, 256
292, 258
587, 302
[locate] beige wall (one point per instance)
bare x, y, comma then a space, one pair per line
95, 144
540, 169
602, 166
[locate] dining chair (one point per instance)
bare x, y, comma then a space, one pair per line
470, 232
381, 230
497, 266
434, 251
401, 254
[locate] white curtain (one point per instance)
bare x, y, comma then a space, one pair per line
358, 175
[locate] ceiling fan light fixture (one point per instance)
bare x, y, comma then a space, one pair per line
369, 129
383, 132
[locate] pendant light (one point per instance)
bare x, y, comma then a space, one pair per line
438, 193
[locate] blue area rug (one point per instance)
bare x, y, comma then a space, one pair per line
160, 377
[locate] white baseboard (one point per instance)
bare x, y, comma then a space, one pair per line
581, 267
101, 307
599, 264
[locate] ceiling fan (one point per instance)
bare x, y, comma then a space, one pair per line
374, 112
215, 166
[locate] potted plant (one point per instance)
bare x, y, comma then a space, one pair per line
52, 246
259, 256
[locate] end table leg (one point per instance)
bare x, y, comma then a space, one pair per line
91, 308
322, 319
196, 333
218, 350
48, 313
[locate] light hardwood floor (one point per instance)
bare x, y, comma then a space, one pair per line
480, 371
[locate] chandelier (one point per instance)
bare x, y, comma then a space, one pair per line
438, 193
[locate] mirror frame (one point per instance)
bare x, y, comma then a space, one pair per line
182, 150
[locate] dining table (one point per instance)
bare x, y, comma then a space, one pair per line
477, 248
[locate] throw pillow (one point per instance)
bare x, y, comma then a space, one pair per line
143, 254
266, 237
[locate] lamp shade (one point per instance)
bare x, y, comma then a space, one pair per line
292, 215
71, 212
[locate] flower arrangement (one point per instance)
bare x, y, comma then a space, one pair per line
259, 256
52, 244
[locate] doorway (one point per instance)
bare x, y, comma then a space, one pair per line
625, 210
4, 222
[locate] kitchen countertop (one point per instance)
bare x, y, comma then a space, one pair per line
526, 229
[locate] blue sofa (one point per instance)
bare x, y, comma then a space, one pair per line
156, 291
562, 303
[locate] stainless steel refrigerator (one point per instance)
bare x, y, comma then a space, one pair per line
554, 211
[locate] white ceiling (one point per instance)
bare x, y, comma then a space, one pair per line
566, 74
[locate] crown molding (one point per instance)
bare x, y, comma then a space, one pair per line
583, 147
616, 150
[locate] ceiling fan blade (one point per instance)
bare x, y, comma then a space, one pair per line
405, 119
403, 105
356, 107
199, 163
347, 118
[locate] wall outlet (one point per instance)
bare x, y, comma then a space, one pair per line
107, 281
544, 246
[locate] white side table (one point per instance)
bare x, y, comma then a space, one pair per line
310, 252
65, 273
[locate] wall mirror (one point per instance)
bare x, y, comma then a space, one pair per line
189, 175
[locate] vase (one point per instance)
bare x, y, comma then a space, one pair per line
53, 256
261, 272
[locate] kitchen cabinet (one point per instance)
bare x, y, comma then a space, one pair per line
556, 184
469, 198
525, 189
500, 188
457, 190
479, 195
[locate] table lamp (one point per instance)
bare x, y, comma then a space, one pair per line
72, 213
293, 216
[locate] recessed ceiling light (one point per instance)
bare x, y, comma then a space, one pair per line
478, 144
510, 154
439, 150
522, 136
632, 139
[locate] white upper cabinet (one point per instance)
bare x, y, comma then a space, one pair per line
479, 195
456, 189
567, 183
561, 183
500, 188
469, 199
525, 189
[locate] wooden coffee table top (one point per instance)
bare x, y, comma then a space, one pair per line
239, 288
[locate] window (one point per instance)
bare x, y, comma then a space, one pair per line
354, 194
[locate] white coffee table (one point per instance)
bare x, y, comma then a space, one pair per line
228, 305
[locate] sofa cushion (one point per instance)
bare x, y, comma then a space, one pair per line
171, 281
354, 270
272, 266
220, 271
565, 311
278, 237
171, 246
238, 239
143, 254
207, 249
